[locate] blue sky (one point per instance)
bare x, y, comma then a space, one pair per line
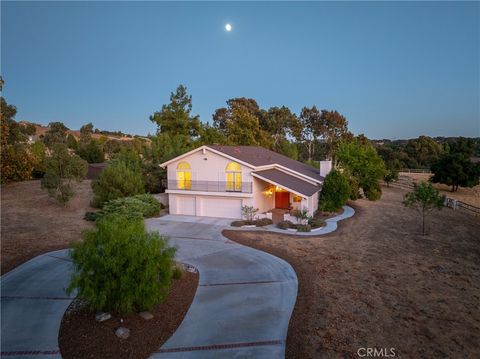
395, 70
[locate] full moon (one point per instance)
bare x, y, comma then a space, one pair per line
228, 27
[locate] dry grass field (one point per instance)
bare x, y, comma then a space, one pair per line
377, 282
467, 195
32, 223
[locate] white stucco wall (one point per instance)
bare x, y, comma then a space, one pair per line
206, 167
262, 202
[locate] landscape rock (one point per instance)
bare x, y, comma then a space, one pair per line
122, 332
146, 315
102, 316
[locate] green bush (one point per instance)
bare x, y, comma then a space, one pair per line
285, 224
237, 223
134, 207
316, 222
354, 188
263, 222
120, 267
91, 216
117, 181
304, 228
177, 272
335, 192
373, 192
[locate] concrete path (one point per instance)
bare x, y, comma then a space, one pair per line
33, 301
331, 225
244, 300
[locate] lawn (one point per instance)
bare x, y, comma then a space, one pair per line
376, 282
32, 223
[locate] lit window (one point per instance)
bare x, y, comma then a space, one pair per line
184, 176
234, 177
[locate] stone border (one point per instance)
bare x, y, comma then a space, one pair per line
331, 225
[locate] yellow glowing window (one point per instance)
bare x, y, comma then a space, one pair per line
234, 176
184, 176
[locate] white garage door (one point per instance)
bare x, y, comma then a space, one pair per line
221, 207
186, 205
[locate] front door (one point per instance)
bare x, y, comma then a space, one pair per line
282, 199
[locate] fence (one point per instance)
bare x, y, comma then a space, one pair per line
449, 202
415, 170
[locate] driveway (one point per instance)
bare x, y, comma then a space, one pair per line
244, 300
241, 308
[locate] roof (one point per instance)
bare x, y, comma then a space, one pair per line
288, 181
259, 156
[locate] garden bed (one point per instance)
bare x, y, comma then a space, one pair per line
82, 337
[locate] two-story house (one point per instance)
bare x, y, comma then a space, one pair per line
216, 181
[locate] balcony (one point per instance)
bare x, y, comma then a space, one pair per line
210, 186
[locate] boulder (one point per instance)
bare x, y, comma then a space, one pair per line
122, 332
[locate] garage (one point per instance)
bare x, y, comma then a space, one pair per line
185, 205
220, 207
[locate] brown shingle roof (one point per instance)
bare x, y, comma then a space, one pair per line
289, 182
259, 156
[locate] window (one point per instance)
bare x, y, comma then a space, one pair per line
234, 177
184, 176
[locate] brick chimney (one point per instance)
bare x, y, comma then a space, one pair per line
325, 168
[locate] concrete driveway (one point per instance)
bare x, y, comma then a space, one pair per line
241, 308
244, 300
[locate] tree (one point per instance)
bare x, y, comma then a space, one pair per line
38, 151
240, 123
117, 181
335, 192
308, 122
17, 161
86, 133
360, 160
61, 169
277, 122
120, 267
175, 118
210, 135
391, 171
423, 151
424, 199
454, 169
72, 142
91, 152
333, 128
57, 133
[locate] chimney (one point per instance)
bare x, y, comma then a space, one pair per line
325, 168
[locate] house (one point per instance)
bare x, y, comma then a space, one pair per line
216, 181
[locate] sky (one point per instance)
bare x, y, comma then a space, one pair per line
394, 70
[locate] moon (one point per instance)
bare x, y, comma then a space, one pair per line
228, 27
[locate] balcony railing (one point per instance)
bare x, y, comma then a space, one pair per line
211, 186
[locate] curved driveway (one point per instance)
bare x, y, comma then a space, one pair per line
241, 308
244, 300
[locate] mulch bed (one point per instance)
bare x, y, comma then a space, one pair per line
82, 337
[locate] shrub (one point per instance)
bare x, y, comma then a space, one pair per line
263, 222
91, 152
373, 192
316, 222
120, 267
354, 188
139, 206
117, 181
285, 224
300, 214
60, 169
335, 192
248, 212
304, 228
237, 223
177, 272
91, 216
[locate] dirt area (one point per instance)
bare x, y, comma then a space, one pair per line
82, 337
467, 195
32, 223
377, 283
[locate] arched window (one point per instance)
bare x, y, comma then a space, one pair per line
184, 176
234, 177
